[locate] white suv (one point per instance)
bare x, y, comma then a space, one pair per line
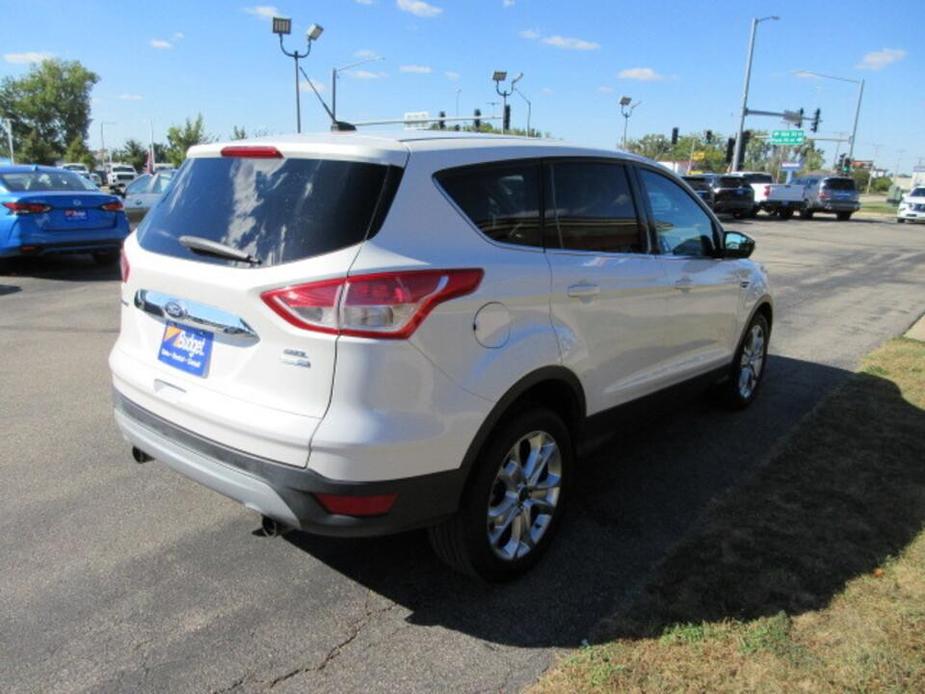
358, 335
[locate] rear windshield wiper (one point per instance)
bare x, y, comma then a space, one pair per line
209, 247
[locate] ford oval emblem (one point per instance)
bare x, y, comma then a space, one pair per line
77, 203
175, 309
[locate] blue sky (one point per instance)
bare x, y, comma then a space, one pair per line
168, 59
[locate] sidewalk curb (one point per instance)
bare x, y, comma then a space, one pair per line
917, 330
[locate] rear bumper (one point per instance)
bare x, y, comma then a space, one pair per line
743, 205
30, 243
281, 491
782, 205
836, 206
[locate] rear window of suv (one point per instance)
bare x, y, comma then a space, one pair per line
731, 182
839, 183
277, 210
759, 178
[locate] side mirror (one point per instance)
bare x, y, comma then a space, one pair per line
737, 245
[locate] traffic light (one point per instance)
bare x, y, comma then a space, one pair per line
730, 148
709, 137
816, 118
846, 166
674, 136
441, 122
507, 117
746, 136
799, 122
477, 120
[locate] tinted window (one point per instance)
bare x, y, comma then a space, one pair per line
139, 185
731, 182
917, 192
44, 181
681, 225
697, 183
591, 208
839, 183
759, 178
502, 201
277, 210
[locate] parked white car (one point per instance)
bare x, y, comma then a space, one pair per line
358, 335
76, 168
781, 199
120, 175
912, 206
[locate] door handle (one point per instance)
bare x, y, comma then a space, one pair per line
582, 291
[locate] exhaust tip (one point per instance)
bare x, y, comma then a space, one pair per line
271, 527
139, 456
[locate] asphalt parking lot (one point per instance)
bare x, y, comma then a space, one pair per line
120, 577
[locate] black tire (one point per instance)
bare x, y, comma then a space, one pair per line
462, 541
786, 214
843, 216
739, 214
754, 212
106, 259
806, 214
730, 390
900, 220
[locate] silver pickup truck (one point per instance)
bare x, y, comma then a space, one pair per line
782, 199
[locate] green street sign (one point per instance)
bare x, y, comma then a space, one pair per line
787, 137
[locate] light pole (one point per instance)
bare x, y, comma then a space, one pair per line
626, 110
500, 76
283, 26
9, 138
857, 109
103, 141
737, 152
529, 110
458, 92
334, 74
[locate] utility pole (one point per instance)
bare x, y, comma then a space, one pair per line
9, 139
458, 92
857, 114
737, 152
529, 109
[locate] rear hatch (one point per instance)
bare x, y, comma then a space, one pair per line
733, 188
212, 355
840, 188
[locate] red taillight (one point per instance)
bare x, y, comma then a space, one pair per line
824, 195
357, 505
388, 305
251, 151
124, 266
20, 208
767, 191
114, 206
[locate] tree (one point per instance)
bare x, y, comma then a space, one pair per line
238, 133
78, 153
49, 107
132, 152
181, 137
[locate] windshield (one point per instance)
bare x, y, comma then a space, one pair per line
697, 183
917, 193
123, 169
731, 181
839, 183
278, 210
759, 178
44, 182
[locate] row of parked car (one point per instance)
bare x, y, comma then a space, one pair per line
747, 193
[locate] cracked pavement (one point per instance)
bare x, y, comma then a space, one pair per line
120, 577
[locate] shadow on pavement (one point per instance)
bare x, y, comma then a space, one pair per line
69, 268
9, 289
636, 498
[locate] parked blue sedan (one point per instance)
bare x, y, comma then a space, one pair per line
46, 210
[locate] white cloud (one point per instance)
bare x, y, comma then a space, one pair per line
570, 43
263, 11
416, 69
530, 34
877, 60
305, 87
161, 43
366, 54
366, 75
131, 97
418, 8
642, 74
452, 75
27, 57
178, 36
604, 89
507, 3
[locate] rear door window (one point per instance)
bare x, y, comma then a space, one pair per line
277, 210
839, 183
590, 208
503, 201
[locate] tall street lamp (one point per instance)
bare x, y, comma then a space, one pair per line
737, 152
336, 71
458, 92
529, 109
857, 109
500, 76
626, 110
282, 26
103, 141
